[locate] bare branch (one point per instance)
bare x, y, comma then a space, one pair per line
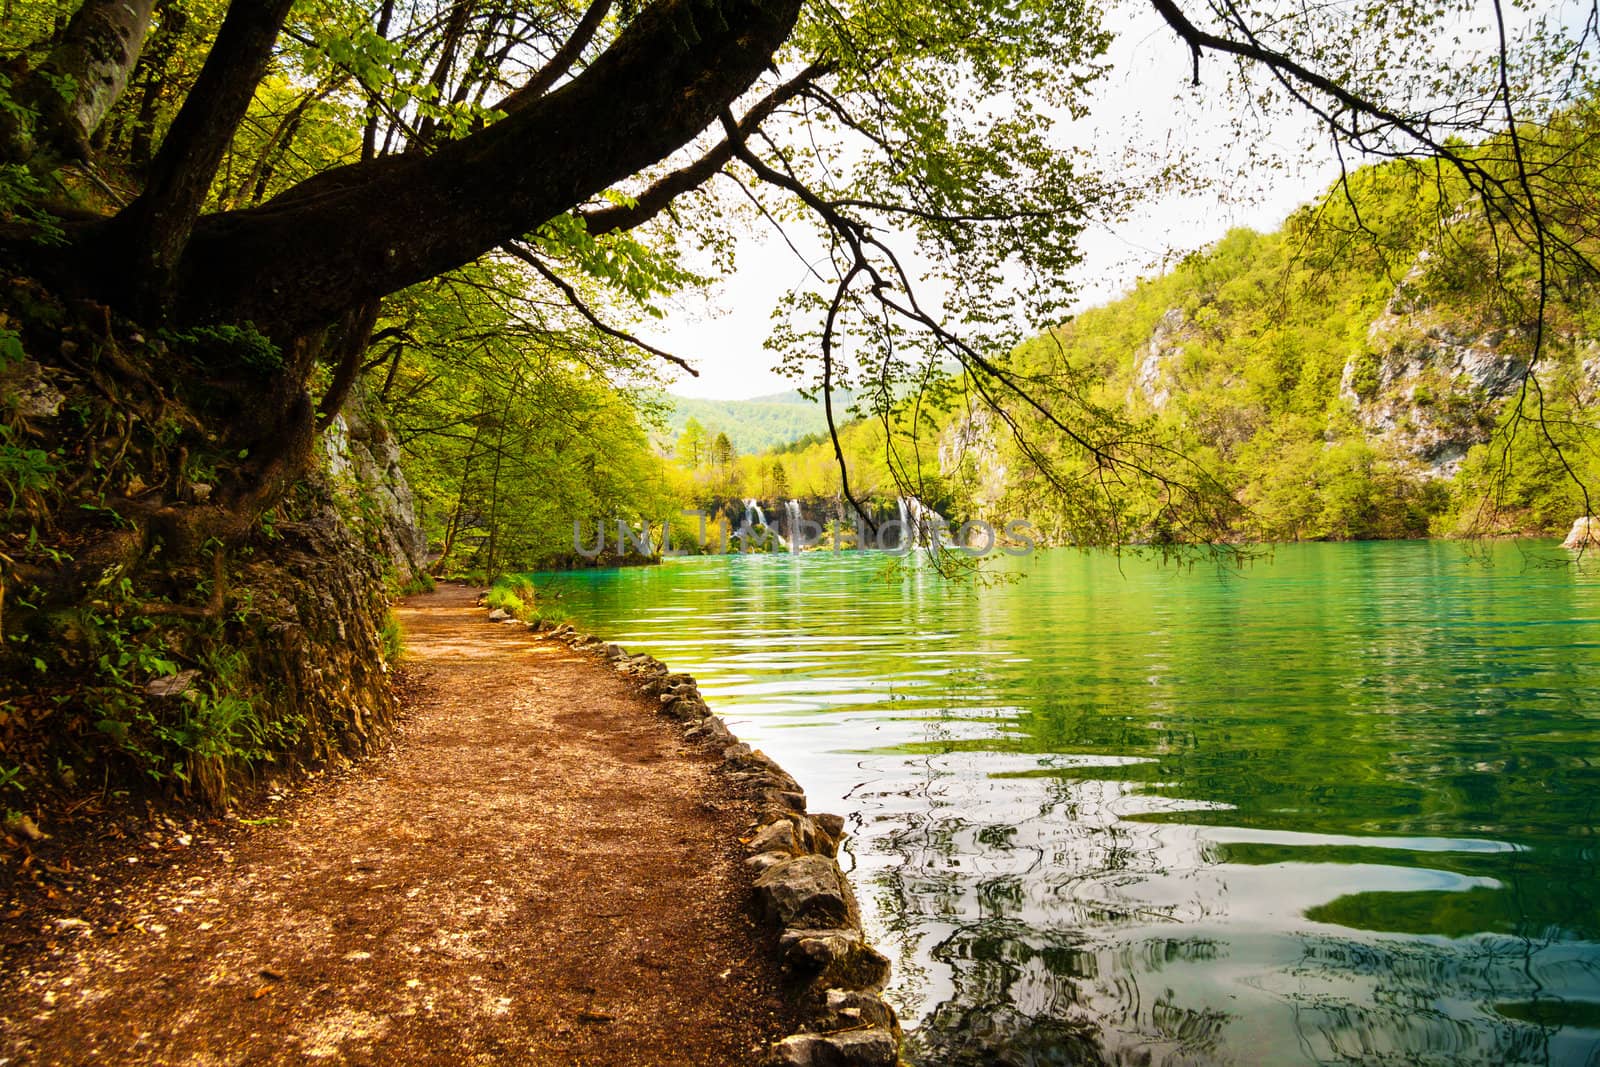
571, 294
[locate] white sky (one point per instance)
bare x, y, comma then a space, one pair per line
1145, 102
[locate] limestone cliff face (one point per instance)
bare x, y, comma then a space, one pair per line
1155, 366
363, 460
969, 450
1430, 388
1432, 384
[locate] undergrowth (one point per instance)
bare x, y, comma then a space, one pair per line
516, 595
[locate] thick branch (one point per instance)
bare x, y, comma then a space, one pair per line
655, 199
298, 261
559, 63
163, 216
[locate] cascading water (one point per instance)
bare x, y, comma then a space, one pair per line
754, 520
921, 525
792, 513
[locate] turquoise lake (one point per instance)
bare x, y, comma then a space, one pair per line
1339, 806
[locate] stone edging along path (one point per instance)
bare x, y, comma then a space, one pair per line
836, 977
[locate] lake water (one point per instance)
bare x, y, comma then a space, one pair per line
1338, 807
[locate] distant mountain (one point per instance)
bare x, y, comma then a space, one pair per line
753, 425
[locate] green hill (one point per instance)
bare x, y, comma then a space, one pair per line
753, 425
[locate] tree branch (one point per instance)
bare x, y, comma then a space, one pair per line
369, 229
589, 316
655, 199
161, 219
559, 63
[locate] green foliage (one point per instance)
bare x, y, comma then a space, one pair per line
514, 594
391, 638
227, 346
511, 423
21, 194
421, 583
11, 350
196, 738
25, 473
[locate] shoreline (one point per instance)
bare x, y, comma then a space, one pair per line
834, 977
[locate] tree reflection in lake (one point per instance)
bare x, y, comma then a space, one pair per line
1101, 924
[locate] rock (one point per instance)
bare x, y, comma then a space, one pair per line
684, 710
614, 652
762, 860
1585, 533
711, 730
807, 892
836, 959
1163, 349
855, 1048
777, 837
764, 769
847, 1009
499, 615
787, 798
173, 684
35, 397
829, 833
822, 842
364, 459
735, 753
833, 825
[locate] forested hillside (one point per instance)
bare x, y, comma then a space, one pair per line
1363, 372
753, 425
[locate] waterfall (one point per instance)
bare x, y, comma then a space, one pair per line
792, 512
922, 524
754, 519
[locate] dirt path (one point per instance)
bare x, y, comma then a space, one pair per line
541, 872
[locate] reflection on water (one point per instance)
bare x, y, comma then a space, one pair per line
1341, 808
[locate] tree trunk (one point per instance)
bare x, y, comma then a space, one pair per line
97, 52
153, 68
159, 222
